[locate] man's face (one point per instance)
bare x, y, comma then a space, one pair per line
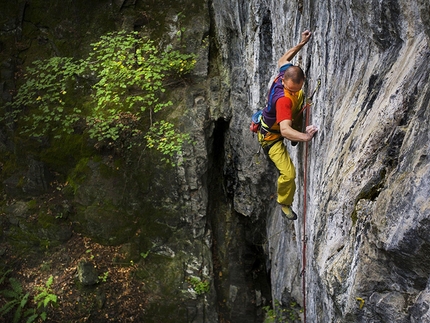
292, 87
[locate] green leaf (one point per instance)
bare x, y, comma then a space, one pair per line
24, 300
2, 279
6, 308
33, 318
10, 294
49, 281
43, 315
16, 285
17, 315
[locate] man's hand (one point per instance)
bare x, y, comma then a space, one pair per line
289, 133
310, 131
306, 35
289, 55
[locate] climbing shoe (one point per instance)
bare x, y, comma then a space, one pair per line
288, 213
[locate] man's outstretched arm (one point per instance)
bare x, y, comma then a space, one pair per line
289, 55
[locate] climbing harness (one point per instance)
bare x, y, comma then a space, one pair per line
305, 238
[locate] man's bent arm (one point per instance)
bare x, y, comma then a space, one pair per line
289, 55
291, 134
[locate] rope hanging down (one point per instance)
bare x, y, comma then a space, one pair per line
305, 178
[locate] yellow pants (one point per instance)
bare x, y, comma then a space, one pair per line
278, 153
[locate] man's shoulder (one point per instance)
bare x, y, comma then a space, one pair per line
284, 102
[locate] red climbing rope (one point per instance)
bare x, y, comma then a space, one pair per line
305, 180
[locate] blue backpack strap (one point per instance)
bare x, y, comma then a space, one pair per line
284, 67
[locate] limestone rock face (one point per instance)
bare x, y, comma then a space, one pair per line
367, 219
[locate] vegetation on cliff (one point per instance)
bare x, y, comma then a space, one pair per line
115, 100
110, 97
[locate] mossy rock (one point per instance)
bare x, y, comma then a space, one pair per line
106, 224
163, 278
29, 229
53, 229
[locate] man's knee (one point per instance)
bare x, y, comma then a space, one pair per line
288, 173
288, 178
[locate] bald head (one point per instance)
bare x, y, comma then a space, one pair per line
294, 74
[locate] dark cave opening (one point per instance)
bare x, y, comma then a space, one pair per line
240, 277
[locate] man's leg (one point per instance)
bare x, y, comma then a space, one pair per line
286, 182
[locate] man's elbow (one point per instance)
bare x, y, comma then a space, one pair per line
286, 133
285, 128
282, 61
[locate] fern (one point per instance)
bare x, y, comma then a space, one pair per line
16, 299
3, 277
16, 285
8, 307
46, 295
33, 316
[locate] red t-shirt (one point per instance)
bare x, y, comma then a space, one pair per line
284, 108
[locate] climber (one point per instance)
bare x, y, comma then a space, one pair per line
285, 100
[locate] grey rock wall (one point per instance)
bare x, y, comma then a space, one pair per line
368, 206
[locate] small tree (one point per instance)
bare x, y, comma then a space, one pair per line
111, 95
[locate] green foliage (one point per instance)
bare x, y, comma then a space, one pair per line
198, 285
40, 103
281, 314
164, 138
103, 278
45, 296
270, 314
16, 299
111, 95
145, 255
3, 277
89, 252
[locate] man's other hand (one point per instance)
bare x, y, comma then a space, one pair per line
310, 131
306, 35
